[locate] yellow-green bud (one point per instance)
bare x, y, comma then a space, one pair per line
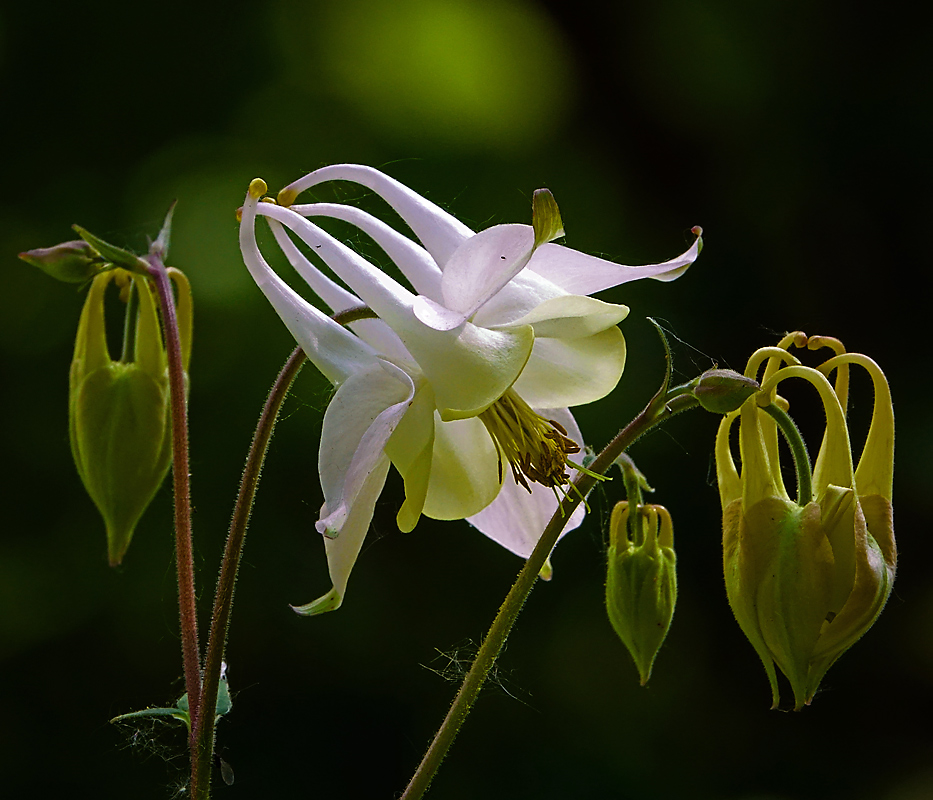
71, 262
119, 411
641, 581
805, 580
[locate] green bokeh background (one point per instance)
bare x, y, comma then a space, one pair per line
796, 133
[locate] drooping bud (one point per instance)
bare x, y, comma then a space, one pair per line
723, 390
119, 411
641, 581
806, 579
71, 262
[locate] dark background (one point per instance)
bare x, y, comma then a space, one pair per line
796, 133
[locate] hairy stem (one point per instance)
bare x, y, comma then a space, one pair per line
203, 746
184, 560
233, 550
656, 412
798, 451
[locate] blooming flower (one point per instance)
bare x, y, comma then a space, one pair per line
806, 579
476, 368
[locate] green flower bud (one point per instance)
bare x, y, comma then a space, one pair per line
119, 411
722, 390
806, 579
641, 581
71, 262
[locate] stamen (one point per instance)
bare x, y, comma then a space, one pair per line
536, 448
122, 279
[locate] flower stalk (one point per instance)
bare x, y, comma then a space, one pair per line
798, 451
203, 744
184, 559
665, 404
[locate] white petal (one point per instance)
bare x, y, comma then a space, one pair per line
464, 473
336, 297
483, 264
388, 298
440, 232
469, 367
516, 519
572, 372
412, 259
578, 273
357, 424
343, 551
520, 295
372, 331
437, 316
572, 316
410, 448
334, 350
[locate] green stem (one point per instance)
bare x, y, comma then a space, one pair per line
203, 748
129, 324
233, 550
798, 451
632, 479
184, 561
655, 413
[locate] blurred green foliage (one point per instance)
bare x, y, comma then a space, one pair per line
795, 133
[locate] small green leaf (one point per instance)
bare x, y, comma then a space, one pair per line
224, 701
668, 363
175, 713
160, 246
116, 255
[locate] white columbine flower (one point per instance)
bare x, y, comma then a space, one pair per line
475, 369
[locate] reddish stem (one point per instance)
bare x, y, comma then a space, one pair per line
187, 604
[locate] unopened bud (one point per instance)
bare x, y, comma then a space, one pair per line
71, 262
723, 390
119, 411
641, 581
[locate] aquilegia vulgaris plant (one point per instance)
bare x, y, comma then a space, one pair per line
462, 378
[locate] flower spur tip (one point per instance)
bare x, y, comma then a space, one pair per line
287, 196
257, 188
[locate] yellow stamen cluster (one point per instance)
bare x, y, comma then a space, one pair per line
536, 448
